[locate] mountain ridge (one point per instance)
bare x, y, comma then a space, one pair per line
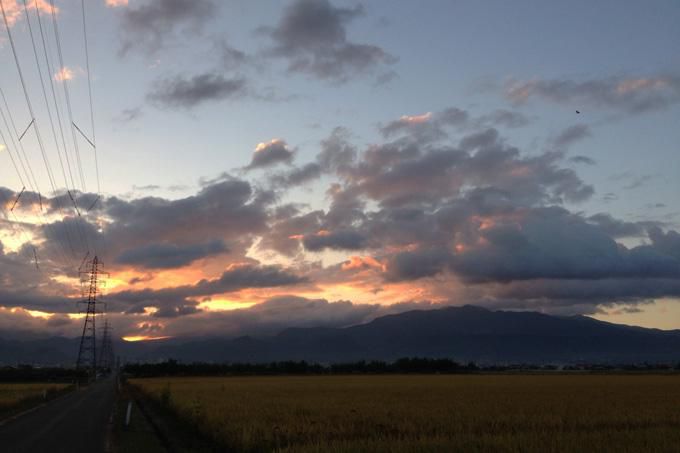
466, 333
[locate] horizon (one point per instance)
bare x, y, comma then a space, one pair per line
243, 167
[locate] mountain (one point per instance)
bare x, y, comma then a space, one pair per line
462, 333
466, 333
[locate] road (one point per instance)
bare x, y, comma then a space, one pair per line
74, 423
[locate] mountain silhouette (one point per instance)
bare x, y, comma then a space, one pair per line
467, 333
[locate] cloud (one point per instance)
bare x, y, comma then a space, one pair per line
149, 26
407, 173
167, 256
622, 94
336, 240
466, 218
230, 57
183, 92
551, 243
668, 242
65, 74
336, 155
503, 118
128, 115
582, 160
178, 301
430, 127
571, 135
270, 153
311, 35
14, 9
427, 126
278, 313
116, 3
298, 176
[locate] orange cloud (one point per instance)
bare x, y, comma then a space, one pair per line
416, 119
632, 85
133, 338
264, 145
64, 73
116, 3
15, 8
362, 262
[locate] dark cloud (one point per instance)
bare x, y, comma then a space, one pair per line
149, 26
428, 126
582, 160
276, 314
431, 127
628, 95
227, 209
183, 92
271, 153
336, 155
312, 36
418, 264
404, 172
618, 228
178, 301
147, 188
571, 135
503, 118
335, 240
128, 115
298, 176
167, 256
668, 242
231, 58
638, 181
551, 243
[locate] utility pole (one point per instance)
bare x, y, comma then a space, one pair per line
87, 354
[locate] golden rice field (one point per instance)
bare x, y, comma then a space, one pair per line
473, 413
12, 394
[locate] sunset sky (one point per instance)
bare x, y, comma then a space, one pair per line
267, 164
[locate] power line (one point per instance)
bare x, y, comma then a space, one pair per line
44, 91
29, 175
49, 112
35, 125
89, 89
66, 95
54, 94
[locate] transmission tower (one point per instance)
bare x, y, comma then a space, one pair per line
87, 354
106, 357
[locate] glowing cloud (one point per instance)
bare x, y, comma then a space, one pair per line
133, 338
14, 9
64, 73
116, 3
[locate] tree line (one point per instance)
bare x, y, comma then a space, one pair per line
413, 365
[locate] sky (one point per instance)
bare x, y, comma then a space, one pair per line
242, 167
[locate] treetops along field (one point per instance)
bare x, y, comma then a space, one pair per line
428, 413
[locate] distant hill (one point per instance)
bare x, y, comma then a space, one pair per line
462, 333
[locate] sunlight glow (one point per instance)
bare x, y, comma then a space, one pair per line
133, 338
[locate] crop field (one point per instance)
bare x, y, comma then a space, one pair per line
514, 413
12, 395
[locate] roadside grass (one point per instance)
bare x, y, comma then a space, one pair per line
508, 413
17, 397
139, 435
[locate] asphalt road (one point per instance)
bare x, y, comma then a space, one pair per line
77, 422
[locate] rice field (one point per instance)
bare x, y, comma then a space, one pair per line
16, 394
467, 413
